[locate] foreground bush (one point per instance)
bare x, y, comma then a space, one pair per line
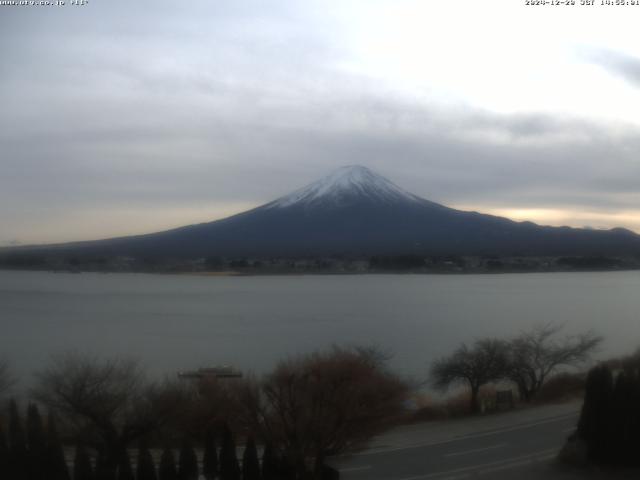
110, 399
338, 398
563, 386
308, 408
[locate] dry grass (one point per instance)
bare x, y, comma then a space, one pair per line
454, 406
562, 387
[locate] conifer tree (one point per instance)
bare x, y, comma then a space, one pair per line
125, 472
57, 468
596, 412
37, 445
167, 469
623, 443
146, 469
4, 454
329, 473
18, 457
188, 462
82, 469
210, 458
269, 463
285, 469
104, 470
250, 462
229, 467
635, 421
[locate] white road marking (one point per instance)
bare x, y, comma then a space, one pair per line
489, 467
355, 469
568, 430
475, 450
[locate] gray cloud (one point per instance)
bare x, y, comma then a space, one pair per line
618, 63
154, 108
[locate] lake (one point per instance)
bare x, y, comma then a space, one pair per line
175, 322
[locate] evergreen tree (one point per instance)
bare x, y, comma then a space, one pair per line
188, 462
125, 472
250, 462
596, 413
18, 457
635, 420
619, 433
37, 445
329, 473
82, 469
210, 459
610, 418
104, 470
57, 468
229, 467
614, 425
285, 469
146, 467
167, 469
269, 463
4, 454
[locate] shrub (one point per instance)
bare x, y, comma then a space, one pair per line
125, 472
562, 386
229, 467
82, 469
188, 462
146, 468
55, 464
250, 462
210, 459
167, 470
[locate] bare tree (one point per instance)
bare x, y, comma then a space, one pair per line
536, 354
6, 378
109, 400
484, 362
322, 404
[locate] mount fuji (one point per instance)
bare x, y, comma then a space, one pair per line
354, 211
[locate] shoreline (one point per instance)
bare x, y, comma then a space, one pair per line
276, 273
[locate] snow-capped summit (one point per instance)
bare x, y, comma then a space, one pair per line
346, 185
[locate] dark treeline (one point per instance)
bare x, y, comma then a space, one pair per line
125, 427
590, 263
29, 259
32, 450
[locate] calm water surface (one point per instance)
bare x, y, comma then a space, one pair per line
174, 322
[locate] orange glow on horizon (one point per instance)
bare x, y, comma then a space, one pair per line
570, 217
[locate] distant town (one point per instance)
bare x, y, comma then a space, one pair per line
320, 265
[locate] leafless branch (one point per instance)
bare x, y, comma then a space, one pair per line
536, 354
484, 362
6, 378
324, 403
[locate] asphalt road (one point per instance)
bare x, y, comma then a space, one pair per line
493, 453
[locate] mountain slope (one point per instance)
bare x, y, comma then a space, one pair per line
354, 211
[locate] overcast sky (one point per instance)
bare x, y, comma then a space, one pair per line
123, 117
